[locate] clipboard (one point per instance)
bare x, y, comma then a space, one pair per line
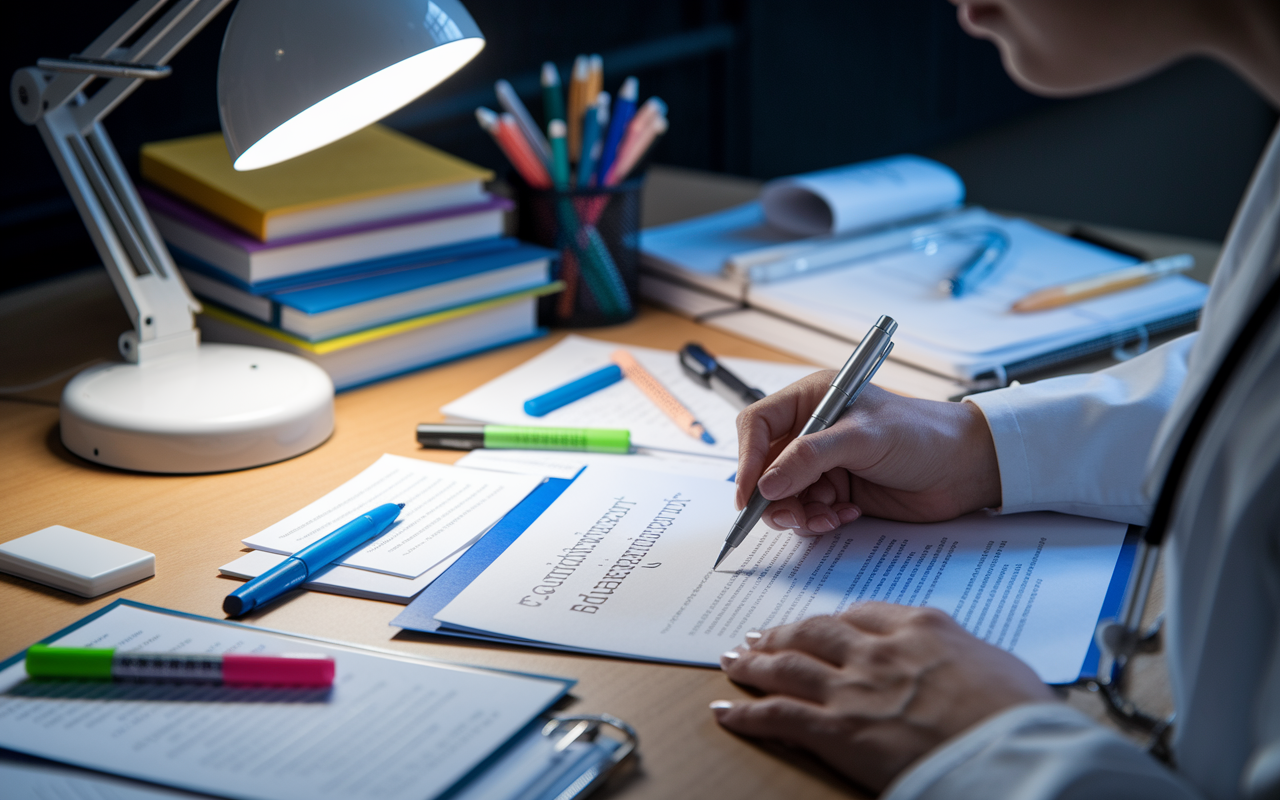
560, 757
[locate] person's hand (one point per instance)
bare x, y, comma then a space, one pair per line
874, 689
887, 456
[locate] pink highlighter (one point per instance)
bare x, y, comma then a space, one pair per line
230, 669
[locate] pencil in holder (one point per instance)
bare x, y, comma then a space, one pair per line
597, 232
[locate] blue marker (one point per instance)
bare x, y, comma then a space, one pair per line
544, 404
624, 108
302, 565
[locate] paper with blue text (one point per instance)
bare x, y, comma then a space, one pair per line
621, 564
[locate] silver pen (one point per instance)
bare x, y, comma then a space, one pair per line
848, 384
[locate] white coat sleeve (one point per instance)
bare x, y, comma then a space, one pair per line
1043, 751
1079, 444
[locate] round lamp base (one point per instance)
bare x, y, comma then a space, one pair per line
224, 407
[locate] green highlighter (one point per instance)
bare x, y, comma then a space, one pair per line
522, 437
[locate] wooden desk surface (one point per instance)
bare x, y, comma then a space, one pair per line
194, 524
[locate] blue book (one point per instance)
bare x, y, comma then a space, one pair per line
333, 306
411, 258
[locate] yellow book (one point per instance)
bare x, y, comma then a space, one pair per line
375, 173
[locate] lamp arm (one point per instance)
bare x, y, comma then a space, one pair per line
141, 269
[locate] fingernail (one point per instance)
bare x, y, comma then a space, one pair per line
848, 515
752, 637
774, 484
729, 655
785, 519
721, 705
821, 525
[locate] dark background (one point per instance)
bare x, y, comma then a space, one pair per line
755, 88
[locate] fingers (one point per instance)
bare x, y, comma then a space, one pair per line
802, 462
884, 618
828, 638
789, 672
779, 415
784, 718
809, 519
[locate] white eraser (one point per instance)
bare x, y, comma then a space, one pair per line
75, 562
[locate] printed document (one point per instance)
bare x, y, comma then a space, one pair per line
621, 564
622, 405
445, 509
391, 727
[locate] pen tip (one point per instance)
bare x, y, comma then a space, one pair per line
726, 550
706, 437
401, 505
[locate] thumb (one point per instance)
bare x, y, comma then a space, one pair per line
805, 460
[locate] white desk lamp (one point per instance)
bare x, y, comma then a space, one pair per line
294, 75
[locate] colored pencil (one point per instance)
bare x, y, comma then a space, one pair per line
552, 96
624, 108
595, 77
659, 395
594, 122
579, 102
510, 103
519, 152
1115, 281
634, 149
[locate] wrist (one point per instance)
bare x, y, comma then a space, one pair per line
981, 464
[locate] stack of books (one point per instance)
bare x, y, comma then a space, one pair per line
373, 256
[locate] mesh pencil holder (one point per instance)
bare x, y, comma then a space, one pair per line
597, 232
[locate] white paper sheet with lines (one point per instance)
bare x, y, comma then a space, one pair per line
446, 508
637, 548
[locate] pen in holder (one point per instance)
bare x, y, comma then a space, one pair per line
597, 232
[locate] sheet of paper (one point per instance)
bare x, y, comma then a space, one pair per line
621, 564
42, 780
445, 508
622, 405
391, 727
554, 464
347, 581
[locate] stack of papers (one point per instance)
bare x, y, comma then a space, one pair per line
972, 338
446, 509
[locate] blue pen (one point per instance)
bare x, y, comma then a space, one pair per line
982, 265
544, 404
624, 108
302, 565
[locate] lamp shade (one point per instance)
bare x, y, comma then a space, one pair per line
295, 75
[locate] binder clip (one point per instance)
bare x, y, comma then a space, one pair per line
587, 729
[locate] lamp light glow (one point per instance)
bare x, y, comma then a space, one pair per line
360, 104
